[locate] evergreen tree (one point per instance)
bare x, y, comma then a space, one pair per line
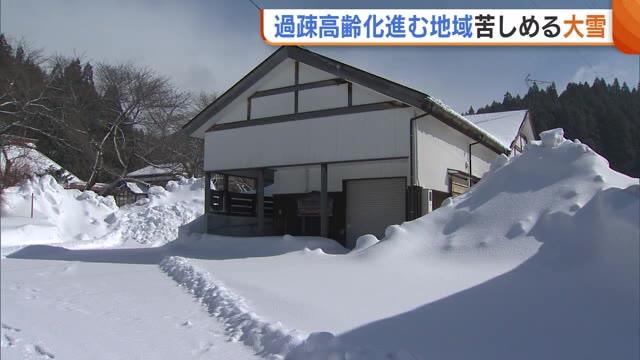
471, 111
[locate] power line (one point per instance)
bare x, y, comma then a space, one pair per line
256, 5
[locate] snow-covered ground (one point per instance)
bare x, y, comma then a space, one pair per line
539, 260
85, 310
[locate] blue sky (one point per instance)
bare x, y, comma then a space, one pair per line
209, 45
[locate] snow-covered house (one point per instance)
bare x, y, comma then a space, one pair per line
328, 136
158, 174
19, 156
128, 192
511, 128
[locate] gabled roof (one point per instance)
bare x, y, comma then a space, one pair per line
376, 83
152, 170
137, 188
504, 125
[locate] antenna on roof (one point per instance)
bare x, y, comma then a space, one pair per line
529, 81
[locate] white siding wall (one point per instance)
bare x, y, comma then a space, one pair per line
302, 179
362, 95
309, 74
327, 97
527, 129
272, 105
439, 147
308, 100
370, 135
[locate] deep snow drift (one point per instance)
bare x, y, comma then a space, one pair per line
156, 220
83, 220
539, 260
59, 215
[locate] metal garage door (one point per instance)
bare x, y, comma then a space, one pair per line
372, 205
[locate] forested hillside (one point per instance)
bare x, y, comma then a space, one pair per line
604, 116
99, 121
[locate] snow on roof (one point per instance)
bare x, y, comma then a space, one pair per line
162, 169
137, 188
27, 155
504, 126
481, 130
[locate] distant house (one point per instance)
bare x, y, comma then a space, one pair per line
512, 128
344, 152
128, 192
158, 174
20, 157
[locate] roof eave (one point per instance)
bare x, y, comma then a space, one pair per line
453, 121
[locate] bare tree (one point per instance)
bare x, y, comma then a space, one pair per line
15, 161
185, 151
141, 108
131, 116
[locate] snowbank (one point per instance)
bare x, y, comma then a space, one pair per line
59, 215
572, 224
156, 219
572, 221
538, 260
85, 220
552, 178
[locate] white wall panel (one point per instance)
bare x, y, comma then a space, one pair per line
370, 135
362, 95
302, 179
272, 105
281, 75
309, 74
527, 129
326, 97
440, 147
